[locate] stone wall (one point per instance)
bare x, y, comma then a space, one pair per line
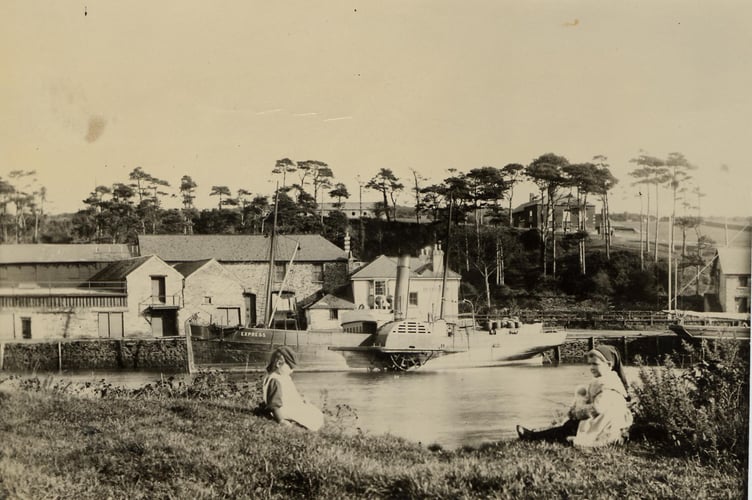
651, 349
167, 354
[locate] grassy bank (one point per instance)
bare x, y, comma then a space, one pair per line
68, 441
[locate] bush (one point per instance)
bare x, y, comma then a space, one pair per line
702, 410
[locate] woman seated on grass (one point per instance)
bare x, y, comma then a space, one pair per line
599, 415
282, 399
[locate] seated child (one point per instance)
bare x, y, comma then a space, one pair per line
281, 397
599, 414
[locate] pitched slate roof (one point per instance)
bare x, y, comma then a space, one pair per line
735, 260
330, 301
118, 271
384, 267
188, 268
239, 248
51, 253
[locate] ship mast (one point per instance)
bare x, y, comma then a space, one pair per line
446, 262
270, 272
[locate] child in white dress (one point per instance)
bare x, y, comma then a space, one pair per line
282, 398
599, 414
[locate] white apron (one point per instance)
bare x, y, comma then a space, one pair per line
294, 406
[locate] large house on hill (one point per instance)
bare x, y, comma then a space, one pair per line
303, 263
567, 213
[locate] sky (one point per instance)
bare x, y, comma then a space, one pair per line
220, 91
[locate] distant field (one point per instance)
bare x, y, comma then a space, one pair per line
627, 234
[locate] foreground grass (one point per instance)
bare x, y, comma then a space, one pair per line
66, 445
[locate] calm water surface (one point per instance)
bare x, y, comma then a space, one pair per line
452, 408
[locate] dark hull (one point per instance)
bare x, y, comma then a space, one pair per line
249, 349
699, 332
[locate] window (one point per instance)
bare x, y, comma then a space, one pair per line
207, 299
379, 287
413, 298
318, 273
26, 328
228, 316
158, 292
279, 273
741, 304
743, 281
333, 313
110, 324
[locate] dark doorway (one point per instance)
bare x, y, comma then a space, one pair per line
250, 309
158, 293
164, 322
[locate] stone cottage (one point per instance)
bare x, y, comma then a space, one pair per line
212, 294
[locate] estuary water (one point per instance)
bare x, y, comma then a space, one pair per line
452, 408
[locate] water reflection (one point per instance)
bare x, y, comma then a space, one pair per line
452, 408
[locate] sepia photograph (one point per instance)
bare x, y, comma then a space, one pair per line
396, 249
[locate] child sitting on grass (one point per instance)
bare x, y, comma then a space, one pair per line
599, 415
282, 399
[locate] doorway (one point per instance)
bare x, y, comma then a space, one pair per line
164, 322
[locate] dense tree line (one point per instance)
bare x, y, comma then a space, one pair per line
471, 210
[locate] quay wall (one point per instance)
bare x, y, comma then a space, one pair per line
128, 354
651, 349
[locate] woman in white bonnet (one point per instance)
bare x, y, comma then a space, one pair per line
603, 416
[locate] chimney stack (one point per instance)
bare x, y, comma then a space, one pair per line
347, 245
401, 289
437, 259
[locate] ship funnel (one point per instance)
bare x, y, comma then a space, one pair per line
401, 288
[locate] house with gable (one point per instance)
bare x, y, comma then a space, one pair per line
730, 278
568, 215
372, 288
304, 264
212, 294
155, 295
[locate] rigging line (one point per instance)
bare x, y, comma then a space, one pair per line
691, 281
284, 281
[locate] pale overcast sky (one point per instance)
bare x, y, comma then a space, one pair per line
221, 90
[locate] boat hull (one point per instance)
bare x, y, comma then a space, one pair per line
248, 349
481, 348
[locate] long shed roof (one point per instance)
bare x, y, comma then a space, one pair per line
239, 248
62, 253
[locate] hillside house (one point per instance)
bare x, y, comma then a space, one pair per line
304, 264
353, 210
566, 211
730, 278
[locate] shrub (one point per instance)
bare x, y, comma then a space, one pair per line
702, 410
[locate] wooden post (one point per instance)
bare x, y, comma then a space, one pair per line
2, 354
591, 343
59, 356
189, 349
624, 350
557, 354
